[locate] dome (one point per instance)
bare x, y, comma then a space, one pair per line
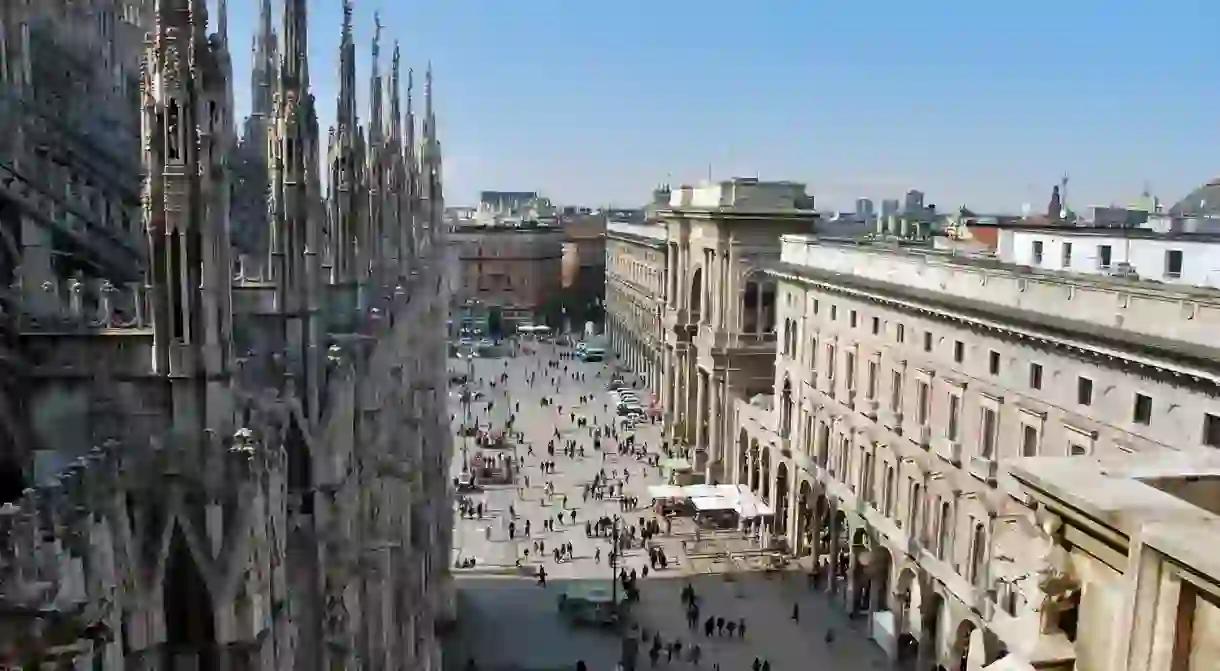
1203, 201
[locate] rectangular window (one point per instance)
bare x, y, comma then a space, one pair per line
830, 363
1067, 255
922, 401
1104, 256
955, 410
987, 433
816, 305
1035, 376
959, 351
1173, 263
1142, 413
1029, 441
993, 362
1037, 252
1211, 430
927, 341
852, 319
876, 325
1084, 391
872, 380
900, 333
850, 369
896, 391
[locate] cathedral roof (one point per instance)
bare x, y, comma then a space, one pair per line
1204, 200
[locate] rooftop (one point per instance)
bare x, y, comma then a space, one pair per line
1167, 322
1169, 500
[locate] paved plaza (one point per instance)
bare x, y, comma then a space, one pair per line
507, 621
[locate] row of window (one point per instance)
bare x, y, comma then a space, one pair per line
1141, 403
931, 521
1105, 258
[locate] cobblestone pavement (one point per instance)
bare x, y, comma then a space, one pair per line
507, 621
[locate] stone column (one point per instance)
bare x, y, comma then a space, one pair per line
667, 381
715, 426
700, 415
832, 548
709, 276
793, 531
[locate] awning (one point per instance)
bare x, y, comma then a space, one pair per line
706, 503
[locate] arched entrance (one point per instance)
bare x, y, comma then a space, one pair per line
840, 549
743, 460
764, 490
781, 502
754, 466
959, 653
495, 322
908, 618
804, 542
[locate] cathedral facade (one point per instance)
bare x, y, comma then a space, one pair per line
223, 392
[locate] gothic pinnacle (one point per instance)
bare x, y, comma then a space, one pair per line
395, 105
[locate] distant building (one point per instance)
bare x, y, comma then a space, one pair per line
584, 267
864, 208
889, 206
1174, 258
506, 276
913, 201
506, 201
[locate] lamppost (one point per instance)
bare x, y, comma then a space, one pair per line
614, 562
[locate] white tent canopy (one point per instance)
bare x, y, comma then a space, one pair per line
737, 498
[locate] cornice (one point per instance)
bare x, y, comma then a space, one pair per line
1147, 360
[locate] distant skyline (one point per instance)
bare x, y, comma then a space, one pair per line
984, 104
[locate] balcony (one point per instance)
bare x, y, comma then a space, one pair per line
868, 407
984, 468
849, 398
922, 435
949, 450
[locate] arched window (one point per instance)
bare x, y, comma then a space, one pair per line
978, 554
944, 544
913, 506
888, 504
785, 410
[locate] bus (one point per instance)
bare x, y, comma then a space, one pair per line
591, 354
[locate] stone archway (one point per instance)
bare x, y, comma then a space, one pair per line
908, 618
743, 459
764, 490
781, 502
840, 552
754, 466
960, 650
804, 541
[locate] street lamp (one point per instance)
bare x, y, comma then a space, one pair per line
614, 562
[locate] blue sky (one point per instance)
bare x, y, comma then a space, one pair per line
985, 103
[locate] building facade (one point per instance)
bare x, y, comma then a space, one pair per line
223, 470
1173, 258
635, 296
506, 276
907, 383
719, 318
